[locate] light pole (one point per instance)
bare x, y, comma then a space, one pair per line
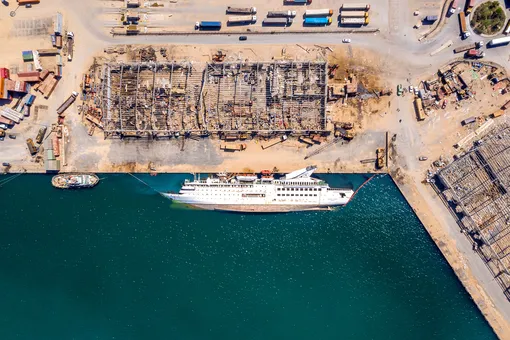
12, 13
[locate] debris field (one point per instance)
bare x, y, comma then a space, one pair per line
162, 99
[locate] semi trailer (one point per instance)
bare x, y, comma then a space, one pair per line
241, 10
468, 47
298, 2
67, 103
323, 21
208, 25
354, 21
242, 19
281, 14
463, 27
355, 7
354, 14
499, 41
70, 45
277, 21
319, 12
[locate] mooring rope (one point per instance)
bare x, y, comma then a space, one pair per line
7, 180
361, 186
144, 183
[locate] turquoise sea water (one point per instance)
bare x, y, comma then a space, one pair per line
121, 262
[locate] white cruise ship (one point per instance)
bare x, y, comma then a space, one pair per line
296, 191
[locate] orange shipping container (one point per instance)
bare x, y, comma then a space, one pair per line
26, 2
498, 113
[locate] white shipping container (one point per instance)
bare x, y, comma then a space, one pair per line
318, 12
499, 41
59, 22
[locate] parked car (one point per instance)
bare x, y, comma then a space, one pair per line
12, 136
444, 104
3, 126
411, 88
243, 37
346, 40
6, 164
422, 158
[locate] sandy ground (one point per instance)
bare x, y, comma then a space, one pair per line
371, 123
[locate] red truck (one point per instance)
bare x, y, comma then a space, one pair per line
475, 54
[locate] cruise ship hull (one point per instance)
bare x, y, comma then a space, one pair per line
296, 191
256, 208
259, 209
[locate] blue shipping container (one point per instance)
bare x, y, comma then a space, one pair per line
30, 99
210, 24
317, 21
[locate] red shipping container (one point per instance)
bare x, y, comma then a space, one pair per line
4, 72
6, 121
26, 2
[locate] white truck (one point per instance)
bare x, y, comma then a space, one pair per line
241, 10
281, 14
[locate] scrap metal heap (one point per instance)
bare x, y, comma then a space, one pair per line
476, 188
153, 99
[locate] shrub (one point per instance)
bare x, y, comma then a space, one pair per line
488, 18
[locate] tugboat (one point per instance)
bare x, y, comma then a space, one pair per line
74, 181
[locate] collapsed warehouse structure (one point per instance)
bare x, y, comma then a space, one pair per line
476, 189
148, 99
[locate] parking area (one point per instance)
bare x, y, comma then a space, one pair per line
182, 16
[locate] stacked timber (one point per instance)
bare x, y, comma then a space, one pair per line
48, 85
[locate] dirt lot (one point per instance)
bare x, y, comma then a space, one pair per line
86, 152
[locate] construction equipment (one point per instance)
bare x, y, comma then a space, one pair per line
219, 57
332, 70
40, 135
343, 125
